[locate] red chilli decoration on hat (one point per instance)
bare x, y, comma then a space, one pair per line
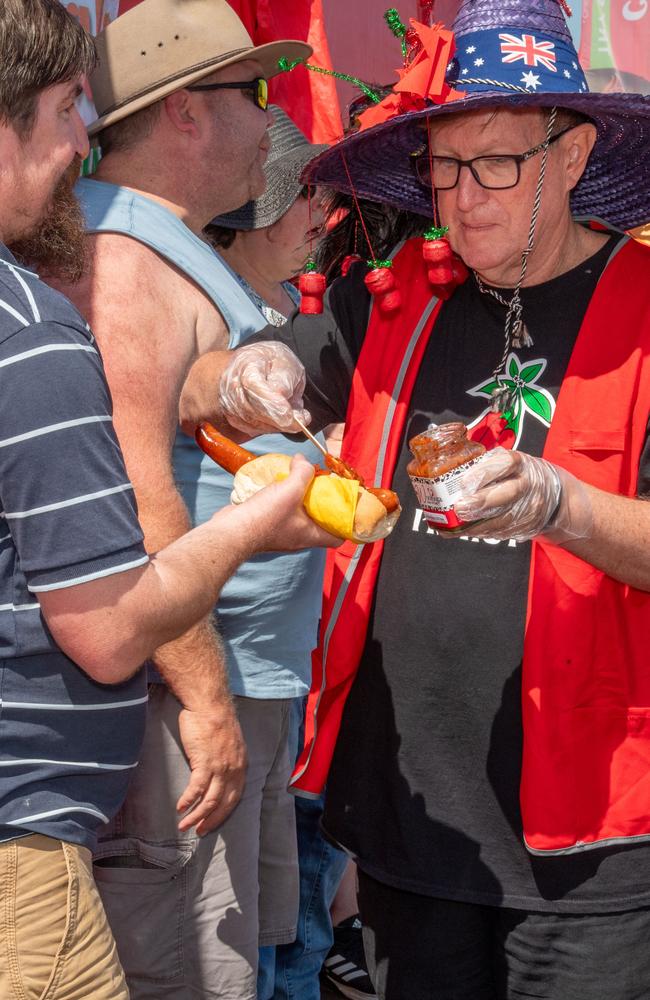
422, 79
312, 283
445, 270
311, 286
380, 280
439, 256
382, 285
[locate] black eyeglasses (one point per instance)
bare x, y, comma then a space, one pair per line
259, 88
496, 173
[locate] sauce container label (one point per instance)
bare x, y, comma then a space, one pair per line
437, 496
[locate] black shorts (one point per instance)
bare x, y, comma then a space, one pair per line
421, 948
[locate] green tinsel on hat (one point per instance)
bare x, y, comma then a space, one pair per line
397, 27
285, 66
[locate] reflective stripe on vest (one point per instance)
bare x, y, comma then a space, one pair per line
373, 430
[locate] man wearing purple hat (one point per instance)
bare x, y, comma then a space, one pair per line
492, 770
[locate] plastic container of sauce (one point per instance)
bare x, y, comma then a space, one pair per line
441, 455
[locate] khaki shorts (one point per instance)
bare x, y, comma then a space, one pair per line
55, 942
188, 914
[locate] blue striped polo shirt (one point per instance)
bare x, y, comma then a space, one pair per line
67, 516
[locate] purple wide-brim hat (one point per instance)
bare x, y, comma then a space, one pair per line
509, 54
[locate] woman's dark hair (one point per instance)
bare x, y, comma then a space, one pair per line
386, 228
220, 237
41, 45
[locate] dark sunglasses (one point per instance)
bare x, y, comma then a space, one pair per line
259, 88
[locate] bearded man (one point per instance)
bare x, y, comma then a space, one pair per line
82, 605
498, 812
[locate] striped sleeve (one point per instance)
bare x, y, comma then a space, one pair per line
66, 499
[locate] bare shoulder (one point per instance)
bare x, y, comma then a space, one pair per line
126, 277
151, 322
128, 283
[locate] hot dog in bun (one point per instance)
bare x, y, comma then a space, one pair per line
338, 503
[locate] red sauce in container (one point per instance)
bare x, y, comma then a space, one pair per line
441, 455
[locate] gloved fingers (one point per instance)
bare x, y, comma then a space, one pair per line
517, 498
262, 387
492, 500
495, 465
513, 495
252, 430
269, 401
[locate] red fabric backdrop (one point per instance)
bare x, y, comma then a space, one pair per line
613, 36
310, 98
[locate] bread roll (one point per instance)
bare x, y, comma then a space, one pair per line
341, 506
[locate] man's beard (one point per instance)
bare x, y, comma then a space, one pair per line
56, 247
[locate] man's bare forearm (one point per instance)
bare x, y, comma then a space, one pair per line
200, 395
112, 625
194, 667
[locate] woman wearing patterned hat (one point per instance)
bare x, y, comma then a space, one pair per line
491, 769
268, 240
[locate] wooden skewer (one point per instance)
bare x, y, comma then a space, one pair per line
311, 437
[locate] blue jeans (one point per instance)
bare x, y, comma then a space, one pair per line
290, 971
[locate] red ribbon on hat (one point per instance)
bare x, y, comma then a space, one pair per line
422, 80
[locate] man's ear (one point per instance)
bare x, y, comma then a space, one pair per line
578, 144
183, 110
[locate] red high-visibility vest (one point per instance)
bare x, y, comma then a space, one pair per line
586, 673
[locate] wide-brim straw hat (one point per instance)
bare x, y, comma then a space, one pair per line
160, 46
509, 54
289, 154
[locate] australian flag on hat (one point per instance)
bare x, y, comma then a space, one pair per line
514, 45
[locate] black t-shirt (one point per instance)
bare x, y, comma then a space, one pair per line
424, 786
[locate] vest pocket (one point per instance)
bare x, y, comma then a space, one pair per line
638, 723
611, 772
597, 455
597, 439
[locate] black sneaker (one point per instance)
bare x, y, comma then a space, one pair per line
345, 967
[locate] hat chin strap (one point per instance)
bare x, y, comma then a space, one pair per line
516, 334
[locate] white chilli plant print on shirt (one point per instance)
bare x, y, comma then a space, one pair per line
529, 398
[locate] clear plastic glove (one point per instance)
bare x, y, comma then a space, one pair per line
262, 388
516, 496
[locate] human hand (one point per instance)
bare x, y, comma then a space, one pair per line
261, 389
514, 495
275, 519
216, 752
